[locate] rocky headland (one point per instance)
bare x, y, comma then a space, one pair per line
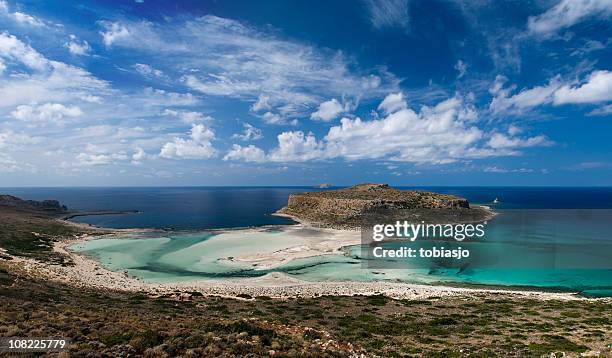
346, 208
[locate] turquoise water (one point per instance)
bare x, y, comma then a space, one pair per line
568, 250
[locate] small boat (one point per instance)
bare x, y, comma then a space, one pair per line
496, 201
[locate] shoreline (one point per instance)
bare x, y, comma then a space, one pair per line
89, 273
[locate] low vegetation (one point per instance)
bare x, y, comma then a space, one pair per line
113, 323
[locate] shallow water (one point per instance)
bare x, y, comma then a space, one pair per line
554, 249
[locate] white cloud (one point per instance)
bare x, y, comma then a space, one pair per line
328, 110
461, 68
48, 112
601, 111
26, 19
275, 118
501, 141
393, 103
248, 154
114, 31
2, 66
20, 17
388, 13
238, 61
13, 49
92, 159
77, 47
495, 169
440, 134
7, 164
566, 14
148, 71
138, 156
250, 133
92, 99
297, 147
261, 104
47, 80
598, 88
198, 146
187, 116
13, 140
525, 99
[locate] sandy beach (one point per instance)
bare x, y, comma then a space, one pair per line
87, 272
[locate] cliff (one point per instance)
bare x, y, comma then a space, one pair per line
344, 208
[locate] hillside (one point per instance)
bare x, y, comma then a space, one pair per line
28, 228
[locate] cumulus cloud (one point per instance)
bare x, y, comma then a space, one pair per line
197, 146
597, 88
388, 13
328, 110
138, 156
566, 14
250, 133
443, 133
48, 112
393, 103
77, 47
297, 147
249, 153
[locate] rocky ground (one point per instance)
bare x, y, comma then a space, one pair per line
110, 323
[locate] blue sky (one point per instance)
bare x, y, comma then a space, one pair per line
405, 92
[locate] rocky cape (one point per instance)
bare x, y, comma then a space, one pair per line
348, 208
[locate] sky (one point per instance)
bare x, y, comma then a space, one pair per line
405, 92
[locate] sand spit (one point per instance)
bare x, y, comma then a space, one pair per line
88, 273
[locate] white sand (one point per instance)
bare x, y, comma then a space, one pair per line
294, 242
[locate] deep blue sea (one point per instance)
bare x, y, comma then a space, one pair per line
549, 237
192, 208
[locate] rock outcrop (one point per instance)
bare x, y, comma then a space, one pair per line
344, 208
47, 206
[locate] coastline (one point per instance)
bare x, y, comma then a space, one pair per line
87, 272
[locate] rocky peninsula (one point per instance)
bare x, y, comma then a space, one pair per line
346, 208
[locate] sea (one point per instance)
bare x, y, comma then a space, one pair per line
545, 238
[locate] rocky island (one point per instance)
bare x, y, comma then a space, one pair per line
346, 208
